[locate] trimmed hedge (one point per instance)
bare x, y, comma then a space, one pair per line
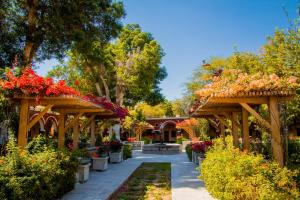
127, 151
188, 150
45, 174
229, 173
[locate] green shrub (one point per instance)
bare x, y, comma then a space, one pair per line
294, 150
188, 150
146, 140
180, 139
45, 174
229, 173
127, 151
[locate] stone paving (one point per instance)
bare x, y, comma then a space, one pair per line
185, 182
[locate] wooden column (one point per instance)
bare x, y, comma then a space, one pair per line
277, 144
61, 130
222, 129
22, 135
235, 129
75, 135
93, 138
246, 141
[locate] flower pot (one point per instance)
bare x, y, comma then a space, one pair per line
100, 163
116, 157
83, 172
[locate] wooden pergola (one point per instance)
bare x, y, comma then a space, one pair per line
224, 106
63, 106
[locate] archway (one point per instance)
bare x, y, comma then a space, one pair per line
169, 131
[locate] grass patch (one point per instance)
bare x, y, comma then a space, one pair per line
150, 181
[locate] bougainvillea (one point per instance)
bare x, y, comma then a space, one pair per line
187, 123
234, 82
106, 104
201, 147
31, 84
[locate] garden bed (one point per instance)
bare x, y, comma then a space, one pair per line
148, 181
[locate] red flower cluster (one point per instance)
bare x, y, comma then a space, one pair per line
201, 147
131, 139
31, 84
106, 104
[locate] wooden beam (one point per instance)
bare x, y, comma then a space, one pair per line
256, 115
61, 131
220, 109
222, 121
75, 135
39, 116
75, 120
93, 138
277, 144
85, 110
88, 122
213, 123
222, 127
246, 140
235, 129
251, 100
22, 135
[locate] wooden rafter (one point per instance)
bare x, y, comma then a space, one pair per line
39, 116
71, 123
256, 115
222, 121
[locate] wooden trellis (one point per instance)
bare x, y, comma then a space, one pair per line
64, 105
225, 106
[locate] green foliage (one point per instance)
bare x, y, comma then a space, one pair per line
146, 140
46, 174
188, 150
38, 144
294, 150
180, 139
52, 28
127, 151
229, 173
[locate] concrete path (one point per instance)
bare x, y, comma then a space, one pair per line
185, 182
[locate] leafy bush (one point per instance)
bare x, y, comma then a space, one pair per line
180, 139
188, 150
229, 173
294, 150
146, 140
127, 151
44, 174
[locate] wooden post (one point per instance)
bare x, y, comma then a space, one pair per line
246, 141
93, 138
235, 129
222, 127
61, 130
22, 136
75, 135
277, 145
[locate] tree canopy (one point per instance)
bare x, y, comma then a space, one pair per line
39, 30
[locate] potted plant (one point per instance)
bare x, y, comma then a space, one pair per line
84, 164
100, 157
116, 151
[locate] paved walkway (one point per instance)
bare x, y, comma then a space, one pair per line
185, 182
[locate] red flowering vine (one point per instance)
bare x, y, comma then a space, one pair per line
31, 84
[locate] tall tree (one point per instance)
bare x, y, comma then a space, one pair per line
42, 29
126, 71
138, 58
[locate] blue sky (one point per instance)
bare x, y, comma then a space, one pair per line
190, 31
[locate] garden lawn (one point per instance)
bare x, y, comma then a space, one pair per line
149, 181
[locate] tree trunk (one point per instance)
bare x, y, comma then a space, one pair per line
31, 44
98, 88
107, 94
120, 90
